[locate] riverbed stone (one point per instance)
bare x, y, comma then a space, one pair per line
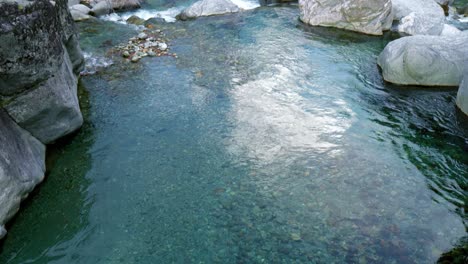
418, 17
208, 8
370, 17
22, 166
462, 95
425, 60
135, 20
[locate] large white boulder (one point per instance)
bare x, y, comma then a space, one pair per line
370, 17
462, 96
419, 17
425, 60
22, 166
208, 8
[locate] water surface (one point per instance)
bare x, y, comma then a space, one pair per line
266, 141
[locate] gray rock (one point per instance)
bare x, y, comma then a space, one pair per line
79, 16
22, 166
142, 35
81, 8
101, 8
450, 30
419, 17
208, 8
462, 96
122, 5
80, 12
370, 17
73, 2
425, 60
135, 20
51, 110
162, 46
33, 55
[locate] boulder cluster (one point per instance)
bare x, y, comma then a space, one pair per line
86, 9
430, 52
40, 60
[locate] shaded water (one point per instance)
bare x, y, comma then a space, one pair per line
266, 141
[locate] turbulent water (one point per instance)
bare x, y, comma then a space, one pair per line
265, 141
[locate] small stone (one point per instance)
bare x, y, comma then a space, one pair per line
142, 35
151, 53
126, 54
162, 46
296, 237
135, 59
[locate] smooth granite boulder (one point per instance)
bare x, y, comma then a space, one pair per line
22, 166
370, 17
462, 96
425, 60
101, 8
419, 17
52, 109
80, 12
208, 8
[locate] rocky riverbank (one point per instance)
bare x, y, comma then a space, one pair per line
40, 59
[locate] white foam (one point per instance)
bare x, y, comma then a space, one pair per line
246, 4
94, 63
168, 15
464, 20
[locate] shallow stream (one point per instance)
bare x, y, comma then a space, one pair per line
265, 141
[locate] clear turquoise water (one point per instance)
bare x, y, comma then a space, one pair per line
265, 142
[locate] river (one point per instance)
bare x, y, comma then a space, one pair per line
265, 141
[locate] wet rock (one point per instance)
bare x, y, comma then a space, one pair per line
135, 20
22, 166
101, 8
418, 17
24, 64
208, 8
51, 110
124, 5
425, 60
462, 96
162, 46
142, 36
80, 12
450, 30
370, 17
126, 54
154, 21
295, 237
